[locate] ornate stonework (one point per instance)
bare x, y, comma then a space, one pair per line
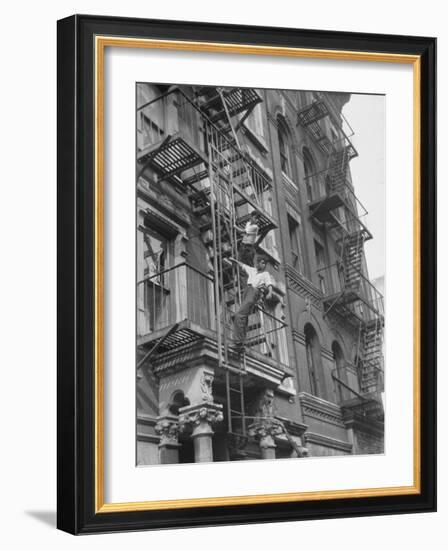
206, 384
320, 409
197, 415
265, 431
265, 405
168, 429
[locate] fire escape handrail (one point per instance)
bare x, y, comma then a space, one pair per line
211, 279
378, 296
347, 188
228, 142
168, 269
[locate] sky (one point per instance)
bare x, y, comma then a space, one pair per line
366, 115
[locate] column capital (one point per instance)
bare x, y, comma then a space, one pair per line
265, 431
196, 416
168, 428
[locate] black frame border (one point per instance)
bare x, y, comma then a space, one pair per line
75, 272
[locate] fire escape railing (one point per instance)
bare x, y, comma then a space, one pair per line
179, 135
360, 295
184, 292
310, 118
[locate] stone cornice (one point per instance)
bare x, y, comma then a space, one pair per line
205, 352
320, 409
325, 441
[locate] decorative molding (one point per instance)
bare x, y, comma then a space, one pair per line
320, 409
206, 385
326, 353
331, 442
204, 351
264, 431
193, 416
168, 429
264, 407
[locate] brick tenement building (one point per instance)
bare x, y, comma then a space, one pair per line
309, 378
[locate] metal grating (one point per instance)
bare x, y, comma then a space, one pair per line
172, 157
179, 338
314, 112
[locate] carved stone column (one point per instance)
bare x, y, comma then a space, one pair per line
264, 431
200, 419
265, 427
168, 429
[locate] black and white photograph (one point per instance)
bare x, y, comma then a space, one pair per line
260, 262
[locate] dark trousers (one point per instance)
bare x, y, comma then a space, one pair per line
247, 254
250, 298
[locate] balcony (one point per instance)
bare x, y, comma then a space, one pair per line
350, 293
351, 396
332, 200
172, 296
310, 118
184, 295
238, 100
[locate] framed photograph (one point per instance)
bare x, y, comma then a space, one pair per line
246, 274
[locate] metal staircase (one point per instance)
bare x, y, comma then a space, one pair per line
371, 371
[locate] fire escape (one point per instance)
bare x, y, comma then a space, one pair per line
347, 292
203, 155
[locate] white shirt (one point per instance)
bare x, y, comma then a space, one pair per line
250, 233
257, 279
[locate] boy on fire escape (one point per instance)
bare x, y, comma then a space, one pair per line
250, 240
259, 284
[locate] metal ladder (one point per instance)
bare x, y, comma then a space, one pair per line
227, 283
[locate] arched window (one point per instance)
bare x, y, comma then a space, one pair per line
314, 362
340, 373
285, 148
309, 169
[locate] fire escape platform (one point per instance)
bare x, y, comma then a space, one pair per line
186, 333
172, 156
312, 113
321, 209
369, 405
238, 101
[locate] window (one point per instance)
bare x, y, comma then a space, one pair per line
320, 266
150, 119
285, 151
255, 120
339, 370
296, 246
309, 169
314, 362
156, 287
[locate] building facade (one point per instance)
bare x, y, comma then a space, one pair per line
309, 379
